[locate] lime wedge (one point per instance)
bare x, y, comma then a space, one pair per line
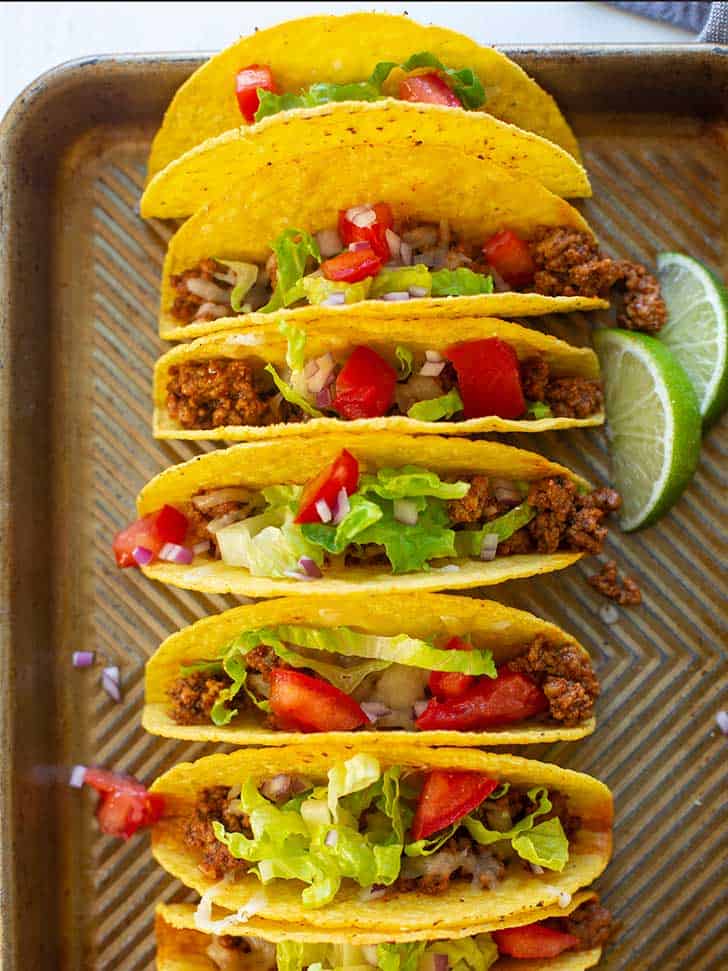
697, 328
653, 423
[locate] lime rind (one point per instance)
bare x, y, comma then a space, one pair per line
697, 328
654, 423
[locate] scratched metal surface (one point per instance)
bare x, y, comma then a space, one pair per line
80, 275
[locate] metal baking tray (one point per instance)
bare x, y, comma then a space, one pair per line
80, 273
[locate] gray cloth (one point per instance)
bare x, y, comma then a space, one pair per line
708, 20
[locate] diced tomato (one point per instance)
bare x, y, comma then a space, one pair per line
451, 684
429, 89
365, 385
166, 525
489, 379
511, 697
510, 256
343, 473
305, 704
375, 234
125, 804
247, 82
351, 267
447, 797
533, 941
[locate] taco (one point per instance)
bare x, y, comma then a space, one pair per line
377, 231
566, 938
426, 668
368, 513
359, 57
391, 839
449, 377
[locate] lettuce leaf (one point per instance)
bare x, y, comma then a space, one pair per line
470, 541
410, 548
476, 953
539, 409
317, 289
317, 94
296, 351
408, 482
292, 249
245, 276
291, 395
465, 83
405, 357
400, 957
444, 406
400, 279
335, 539
460, 283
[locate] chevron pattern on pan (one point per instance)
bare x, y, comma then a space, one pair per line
662, 665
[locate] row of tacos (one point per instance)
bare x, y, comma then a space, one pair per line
365, 198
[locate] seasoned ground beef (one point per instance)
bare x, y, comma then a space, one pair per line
214, 293
194, 695
591, 923
197, 520
212, 805
564, 517
262, 659
517, 543
566, 676
575, 397
570, 823
568, 263
625, 591
216, 392
515, 804
479, 504
460, 858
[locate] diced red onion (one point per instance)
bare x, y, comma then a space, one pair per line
310, 567
227, 520
212, 311
368, 893
208, 500
405, 511
393, 242
358, 245
395, 295
441, 962
361, 216
448, 568
296, 575
208, 290
722, 720
275, 787
432, 369
538, 870
489, 546
375, 709
507, 494
335, 299
174, 553
419, 707
434, 356
329, 242
203, 547
331, 838
609, 614
323, 375
111, 682
78, 774
324, 510
418, 291
311, 368
83, 659
405, 254
323, 398
341, 506
142, 556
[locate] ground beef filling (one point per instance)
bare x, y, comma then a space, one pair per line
215, 860
624, 591
575, 397
591, 923
216, 392
202, 293
569, 263
565, 675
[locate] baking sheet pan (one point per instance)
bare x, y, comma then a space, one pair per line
79, 274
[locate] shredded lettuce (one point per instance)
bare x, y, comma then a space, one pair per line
335, 539
291, 395
444, 406
476, 953
405, 357
410, 548
296, 352
317, 289
469, 542
400, 279
293, 248
465, 83
245, 276
400, 957
539, 409
460, 283
408, 482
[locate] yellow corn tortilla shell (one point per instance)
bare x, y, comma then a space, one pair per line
181, 947
257, 465
214, 167
431, 617
477, 198
341, 50
461, 906
267, 346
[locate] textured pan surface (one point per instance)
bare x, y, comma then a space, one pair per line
80, 280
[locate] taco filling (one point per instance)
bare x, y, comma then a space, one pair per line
307, 679
370, 256
587, 927
472, 379
391, 831
407, 519
422, 78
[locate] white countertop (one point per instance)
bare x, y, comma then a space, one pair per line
38, 36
